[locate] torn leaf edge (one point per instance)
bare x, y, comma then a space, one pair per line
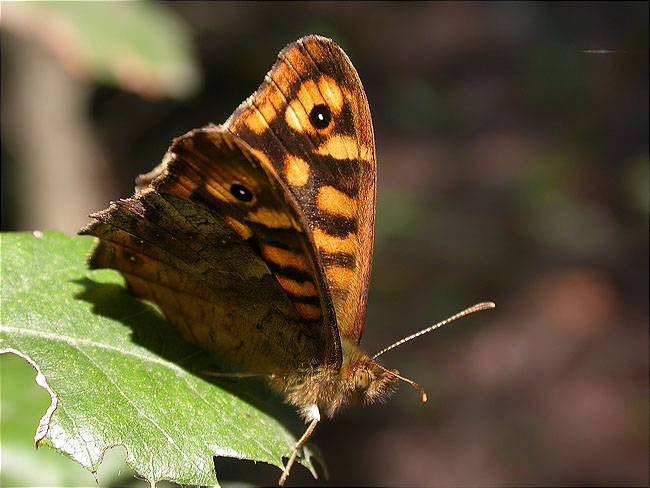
44, 423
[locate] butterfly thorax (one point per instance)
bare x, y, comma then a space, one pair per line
359, 380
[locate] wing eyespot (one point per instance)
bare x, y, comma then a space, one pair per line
240, 192
320, 116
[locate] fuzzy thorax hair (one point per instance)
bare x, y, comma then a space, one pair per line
360, 380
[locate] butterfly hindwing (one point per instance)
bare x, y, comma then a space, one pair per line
236, 276
311, 118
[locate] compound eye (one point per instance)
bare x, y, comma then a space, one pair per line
361, 379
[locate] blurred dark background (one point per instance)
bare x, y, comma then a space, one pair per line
513, 166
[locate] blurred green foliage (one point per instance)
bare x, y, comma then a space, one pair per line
138, 46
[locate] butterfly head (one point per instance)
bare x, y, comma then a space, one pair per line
359, 380
372, 382
366, 381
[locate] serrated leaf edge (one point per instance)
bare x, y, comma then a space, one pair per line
73, 341
44, 424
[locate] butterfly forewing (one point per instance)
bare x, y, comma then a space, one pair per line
311, 119
238, 277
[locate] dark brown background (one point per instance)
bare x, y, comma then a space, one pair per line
512, 167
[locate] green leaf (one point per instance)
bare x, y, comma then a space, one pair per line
139, 46
119, 374
22, 403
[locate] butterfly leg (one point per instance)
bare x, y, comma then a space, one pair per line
300, 443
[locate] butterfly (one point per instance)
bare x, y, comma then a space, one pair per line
255, 237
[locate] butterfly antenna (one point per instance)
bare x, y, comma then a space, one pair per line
423, 394
475, 308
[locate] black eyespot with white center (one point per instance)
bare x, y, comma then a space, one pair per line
320, 116
240, 192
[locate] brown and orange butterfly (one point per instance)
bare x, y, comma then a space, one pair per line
255, 236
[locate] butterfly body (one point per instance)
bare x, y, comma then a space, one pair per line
359, 380
255, 237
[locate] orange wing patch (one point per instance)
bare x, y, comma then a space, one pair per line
297, 288
333, 201
333, 245
267, 108
271, 217
296, 170
339, 147
341, 276
243, 230
332, 92
257, 123
309, 95
283, 258
297, 118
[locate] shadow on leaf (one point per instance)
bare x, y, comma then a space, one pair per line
148, 329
